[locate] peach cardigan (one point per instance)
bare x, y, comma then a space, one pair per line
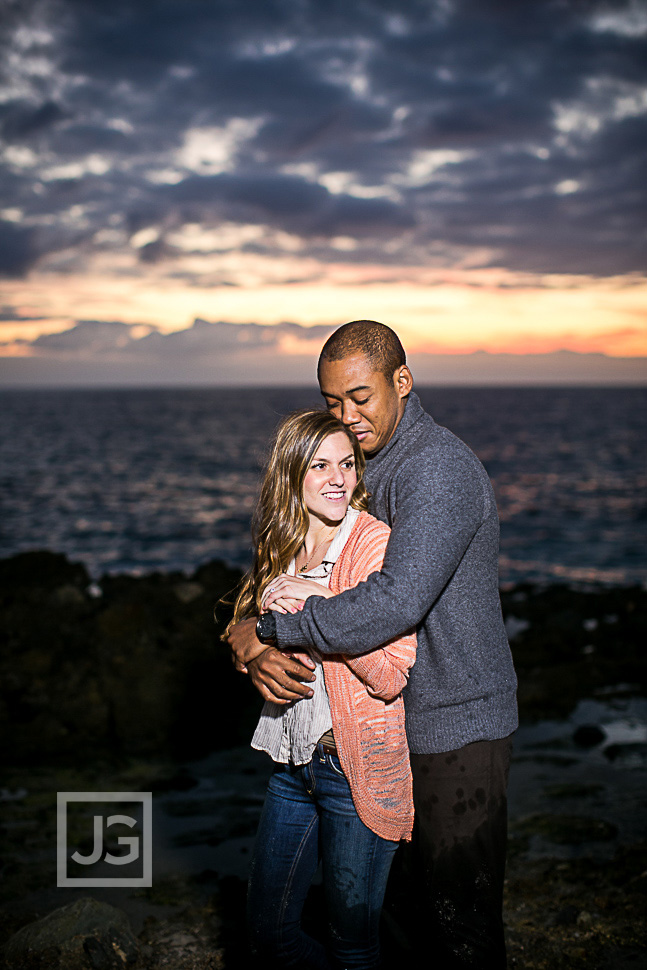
365, 694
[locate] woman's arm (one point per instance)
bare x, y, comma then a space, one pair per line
384, 670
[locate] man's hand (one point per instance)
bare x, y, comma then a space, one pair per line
278, 678
275, 675
245, 645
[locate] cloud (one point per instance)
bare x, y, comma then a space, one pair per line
536, 113
112, 353
89, 338
117, 341
17, 251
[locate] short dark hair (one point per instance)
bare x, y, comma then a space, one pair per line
367, 338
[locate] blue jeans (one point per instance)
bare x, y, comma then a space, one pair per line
309, 815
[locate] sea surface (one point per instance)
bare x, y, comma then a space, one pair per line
157, 480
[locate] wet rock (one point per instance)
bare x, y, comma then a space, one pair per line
573, 790
634, 751
42, 570
567, 829
566, 916
67, 595
559, 661
188, 592
189, 941
84, 934
588, 736
553, 760
638, 883
545, 903
139, 670
181, 780
514, 626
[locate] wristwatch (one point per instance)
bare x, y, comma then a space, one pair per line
266, 627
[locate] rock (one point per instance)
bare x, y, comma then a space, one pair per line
67, 595
555, 665
630, 751
573, 790
136, 671
134, 667
588, 736
181, 780
514, 626
566, 916
83, 934
566, 829
188, 592
45, 570
639, 883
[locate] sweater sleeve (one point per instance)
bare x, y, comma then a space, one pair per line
383, 671
440, 503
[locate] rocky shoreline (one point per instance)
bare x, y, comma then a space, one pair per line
123, 685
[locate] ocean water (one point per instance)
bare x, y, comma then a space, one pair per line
143, 480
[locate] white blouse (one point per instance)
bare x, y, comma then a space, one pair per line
289, 732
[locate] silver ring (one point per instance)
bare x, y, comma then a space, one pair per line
271, 589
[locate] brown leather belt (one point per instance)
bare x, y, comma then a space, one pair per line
328, 748
327, 743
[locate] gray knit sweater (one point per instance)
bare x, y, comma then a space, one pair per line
440, 574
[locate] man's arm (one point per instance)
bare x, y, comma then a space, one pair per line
441, 503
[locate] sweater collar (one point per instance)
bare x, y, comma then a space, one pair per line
413, 411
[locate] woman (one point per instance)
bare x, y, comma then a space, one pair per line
341, 788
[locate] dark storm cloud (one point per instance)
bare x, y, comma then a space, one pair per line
288, 202
21, 120
527, 96
278, 195
16, 250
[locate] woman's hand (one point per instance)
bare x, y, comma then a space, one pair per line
288, 591
285, 605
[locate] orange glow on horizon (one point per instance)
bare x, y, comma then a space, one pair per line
439, 311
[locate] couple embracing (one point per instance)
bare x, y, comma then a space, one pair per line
371, 624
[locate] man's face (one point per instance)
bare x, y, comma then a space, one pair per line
365, 400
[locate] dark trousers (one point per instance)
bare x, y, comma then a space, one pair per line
445, 901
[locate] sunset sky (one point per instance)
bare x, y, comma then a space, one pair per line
471, 172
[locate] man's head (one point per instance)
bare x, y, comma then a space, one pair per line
365, 380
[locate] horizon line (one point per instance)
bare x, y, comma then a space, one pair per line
107, 386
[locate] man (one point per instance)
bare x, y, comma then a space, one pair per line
440, 574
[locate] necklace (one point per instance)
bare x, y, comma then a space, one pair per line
303, 569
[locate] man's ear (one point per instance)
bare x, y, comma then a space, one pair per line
403, 381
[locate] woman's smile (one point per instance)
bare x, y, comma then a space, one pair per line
331, 479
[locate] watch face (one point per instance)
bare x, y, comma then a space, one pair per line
266, 626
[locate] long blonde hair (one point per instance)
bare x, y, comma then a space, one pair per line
281, 520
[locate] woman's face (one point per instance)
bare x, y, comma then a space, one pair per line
331, 479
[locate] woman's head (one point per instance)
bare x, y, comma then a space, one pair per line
315, 468
311, 451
